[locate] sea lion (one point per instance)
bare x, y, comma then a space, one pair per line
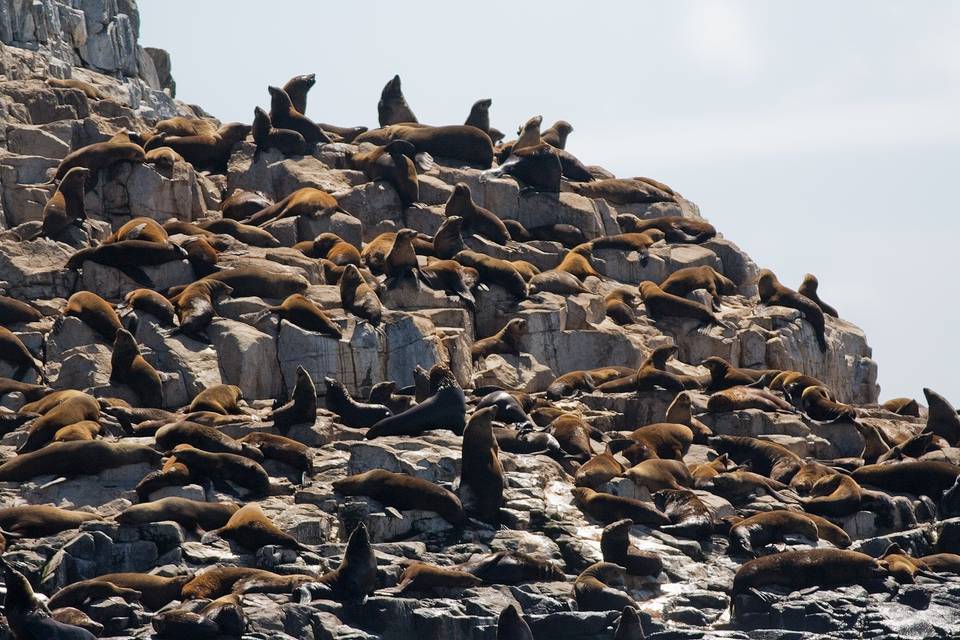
836, 495
942, 418
629, 242
196, 306
651, 375
128, 367
456, 142
525, 269
558, 282
573, 434
511, 626
30, 392
73, 83
808, 288
622, 191
536, 168
620, 306
476, 219
740, 486
98, 156
393, 163
181, 126
139, 228
480, 468
79, 593
357, 297
602, 467
306, 201
830, 532
151, 302
656, 474
39, 521
764, 457
684, 281
659, 440
724, 375
82, 457
403, 492
607, 508
282, 449
250, 527
163, 157
74, 408
772, 293
902, 406
219, 581
511, 567
297, 88
422, 577
205, 152
556, 134
287, 141
242, 204
448, 240
445, 409
592, 592
356, 575
299, 310
660, 304
629, 626
677, 228
357, 415
129, 256
926, 477
219, 398
739, 398
770, 527
14, 352
680, 411
586, 381
250, 281
331, 247
689, 516
452, 278
495, 271
96, 313
507, 340
240, 470
302, 407
245, 233
65, 207
616, 548
193, 515
702, 472
392, 107
83, 430
202, 437
12, 311
28, 617
816, 403
401, 260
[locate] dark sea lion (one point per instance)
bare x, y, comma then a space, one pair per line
764, 457
592, 592
446, 409
180, 623
82, 592
245, 233
739, 398
452, 278
577, 263
98, 156
455, 142
629, 626
401, 260
660, 304
242, 204
476, 219
536, 168
393, 107
218, 581
808, 288
601, 468
507, 340
374, 253
129, 256
358, 297
287, 141
512, 567
620, 306
837, 495
96, 313
357, 415
942, 418
240, 470
193, 515
773, 293
616, 548
282, 449
817, 404
684, 281
128, 367
38, 521
65, 207
139, 228
926, 477
480, 467
573, 433
496, 271
208, 151
902, 406
30, 392
356, 575
250, 527
740, 486
28, 617
556, 134
448, 240
621, 191
14, 352
558, 282
82, 457
511, 626
567, 235
479, 117
202, 437
302, 407
306, 201
249, 281
12, 311
676, 228
586, 381
297, 88
403, 492
196, 306
393, 163
770, 527
724, 375
608, 508
689, 516
151, 302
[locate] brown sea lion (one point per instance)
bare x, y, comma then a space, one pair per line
240, 470
356, 575
301, 311
39, 521
403, 492
331, 247
511, 626
926, 477
30, 392
628, 242
620, 305
98, 156
74, 408
676, 228
452, 278
242, 204
12, 311
82, 457
684, 281
773, 293
151, 302
245, 233
358, 298
139, 228
196, 306
128, 367
656, 474
689, 516
181, 126
507, 340
73, 83
573, 433
480, 468
764, 457
456, 142
560, 283
96, 313
616, 548
607, 508
448, 240
194, 515
770, 527
837, 495
942, 418
282, 449
659, 440
573, 381
203, 437
476, 219
902, 406
740, 486
602, 467
65, 207
249, 281
163, 157
724, 375
287, 141
14, 352
393, 163
556, 134
219, 398
401, 260
393, 107
577, 263
817, 404
28, 618
421, 577
83, 430
739, 398
652, 374
808, 288
680, 411
702, 472
206, 151
495, 271
830, 532
622, 191
250, 527
593, 593
306, 201
660, 304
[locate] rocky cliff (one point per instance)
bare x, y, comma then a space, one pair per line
251, 344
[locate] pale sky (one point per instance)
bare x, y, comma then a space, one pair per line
819, 136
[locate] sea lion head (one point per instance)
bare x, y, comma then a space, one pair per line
261, 121
406, 234
766, 283
810, 282
533, 124
563, 127
304, 82
74, 179
647, 289
716, 365
234, 132
661, 354
392, 88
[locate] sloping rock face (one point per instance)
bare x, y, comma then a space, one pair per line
249, 344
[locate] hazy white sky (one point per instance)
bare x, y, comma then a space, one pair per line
820, 136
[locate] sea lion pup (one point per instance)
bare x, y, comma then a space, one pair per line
607, 508
245, 233
299, 310
689, 516
196, 307
240, 470
511, 626
656, 474
306, 201
772, 293
659, 440
651, 374
267, 137
770, 527
535, 168
592, 593
81, 457
476, 219
586, 381
355, 577
202, 437
837, 495
205, 152
302, 407
149, 301
403, 492
446, 409
556, 134
98, 156
766, 458
916, 477
74, 408
560, 283
683, 281
193, 515
358, 298
806, 568
739, 398
128, 367
219, 398
495, 271
28, 617
38, 521
620, 306
15, 353
250, 527
816, 403
139, 228
601, 468
902, 406
392, 107
660, 304
481, 471
357, 415
676, 228
393, 163
616, 548
12, 311
808, 288
942, 418
331, 247
621, 191
507, 340
65, 207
